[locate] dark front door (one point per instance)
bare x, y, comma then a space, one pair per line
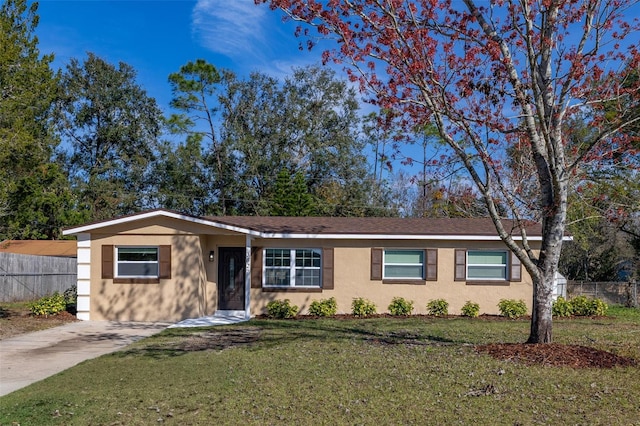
231, 270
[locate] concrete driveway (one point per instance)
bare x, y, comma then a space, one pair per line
32, 357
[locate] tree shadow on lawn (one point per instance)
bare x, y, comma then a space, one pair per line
271, 333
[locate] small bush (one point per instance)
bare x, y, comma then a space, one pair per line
599, 307
471, 309
512, 308
48, 305
71, 299
583, 306
324, 307
580, 306
561, 308
362, 307
438, 307
281, 309
400, 306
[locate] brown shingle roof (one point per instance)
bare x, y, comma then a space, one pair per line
61, 248
370, 225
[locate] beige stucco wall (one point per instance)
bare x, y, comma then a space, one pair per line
352, 279
192, 289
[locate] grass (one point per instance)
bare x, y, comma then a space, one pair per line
415, 370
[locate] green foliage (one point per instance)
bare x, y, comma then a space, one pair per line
561, 307
583, 306
512, 308
291, 196
195, 89
580, 305
308, 125
182, 178
362, 307
49, 305
281, 309
599, 307
471, 309
71, 298
35, 196
400, 306
438, 307
111, 127
324, 307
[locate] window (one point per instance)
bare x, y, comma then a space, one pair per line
487, 265
403, 264
137, 262
292, 267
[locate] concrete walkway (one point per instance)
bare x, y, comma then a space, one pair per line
32, 357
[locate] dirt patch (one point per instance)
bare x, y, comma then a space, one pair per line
211, 340
555, 355
16, 321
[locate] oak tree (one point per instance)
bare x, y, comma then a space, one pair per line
110, 126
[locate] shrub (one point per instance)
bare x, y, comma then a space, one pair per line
471, 309
362, 307
583, 306
48, 305
400, 306
281, 309
71, 299
438, 307
599, 307
561, 308
512, 308
580, 306
324, 307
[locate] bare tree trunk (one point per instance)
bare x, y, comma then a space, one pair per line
547, 266
541, 317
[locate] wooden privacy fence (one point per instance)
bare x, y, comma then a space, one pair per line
613, 293
27, 277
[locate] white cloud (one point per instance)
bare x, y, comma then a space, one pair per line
234, 28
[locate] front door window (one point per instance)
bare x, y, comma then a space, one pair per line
231, 282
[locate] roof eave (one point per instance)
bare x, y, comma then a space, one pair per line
155, 213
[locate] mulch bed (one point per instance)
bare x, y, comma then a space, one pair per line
555, 355
14, 322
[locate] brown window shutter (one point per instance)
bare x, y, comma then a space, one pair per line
515, 269
327, 268
376, 263
107, 261
165, 262
431, 263
256, 267
461, 265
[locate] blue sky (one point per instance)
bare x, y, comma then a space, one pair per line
157, 37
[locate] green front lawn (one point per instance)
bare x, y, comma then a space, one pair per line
418, 370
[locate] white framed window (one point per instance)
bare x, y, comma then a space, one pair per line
403, 264
137, 262
489, 265
285, 267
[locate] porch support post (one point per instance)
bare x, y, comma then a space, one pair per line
247, 278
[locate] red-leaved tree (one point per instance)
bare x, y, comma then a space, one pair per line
491, 76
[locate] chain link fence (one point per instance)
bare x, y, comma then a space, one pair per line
613, 293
